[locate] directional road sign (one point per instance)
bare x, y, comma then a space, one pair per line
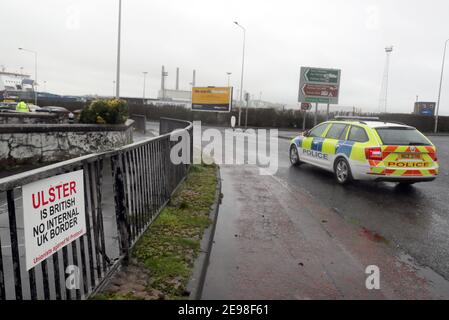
319, 85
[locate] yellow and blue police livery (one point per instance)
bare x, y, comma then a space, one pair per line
367, 149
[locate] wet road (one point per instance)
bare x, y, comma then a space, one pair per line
268, 226
414, 219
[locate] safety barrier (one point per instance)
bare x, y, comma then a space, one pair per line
124, 191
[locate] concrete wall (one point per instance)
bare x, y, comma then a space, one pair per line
30, 144
140, 122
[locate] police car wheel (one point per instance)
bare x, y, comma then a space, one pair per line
294, 157
342, 171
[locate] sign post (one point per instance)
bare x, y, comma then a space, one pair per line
305, 106
304, 120
319, 85
246, 111
53, 215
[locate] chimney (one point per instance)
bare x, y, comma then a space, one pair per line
177, 78
162, 78
193, 80
163, 82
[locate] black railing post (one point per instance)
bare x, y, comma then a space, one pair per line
57, 276
86, 180
120, 208
2, 277
14, 243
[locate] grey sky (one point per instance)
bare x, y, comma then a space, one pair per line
76, 42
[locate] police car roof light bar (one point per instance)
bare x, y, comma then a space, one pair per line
348, 118
357, 118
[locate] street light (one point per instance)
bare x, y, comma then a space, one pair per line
243, 66
439, 90
117, 83
35, 72
144, 78
229, 77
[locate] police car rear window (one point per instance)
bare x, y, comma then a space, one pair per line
402, 136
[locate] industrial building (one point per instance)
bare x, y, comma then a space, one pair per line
176, 95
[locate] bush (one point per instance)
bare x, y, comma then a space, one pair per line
114, 111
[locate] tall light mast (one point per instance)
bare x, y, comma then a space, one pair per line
384, 88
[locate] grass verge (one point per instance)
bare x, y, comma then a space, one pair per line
162, 260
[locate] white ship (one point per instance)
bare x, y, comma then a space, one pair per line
11, 81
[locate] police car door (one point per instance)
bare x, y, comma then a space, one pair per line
312, 144
335, 137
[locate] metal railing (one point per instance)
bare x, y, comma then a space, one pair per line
124, 190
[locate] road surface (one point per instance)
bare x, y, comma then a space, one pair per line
299, 235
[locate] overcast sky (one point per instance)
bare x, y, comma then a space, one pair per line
76, 43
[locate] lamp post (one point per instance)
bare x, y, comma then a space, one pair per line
117, 83
243, 68
439, 90
35, 72
144, 78
388, 51
229, 77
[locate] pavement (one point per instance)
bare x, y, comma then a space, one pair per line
298, 235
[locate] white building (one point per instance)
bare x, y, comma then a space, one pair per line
175, 95
261, 104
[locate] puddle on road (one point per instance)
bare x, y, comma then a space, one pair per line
372, 235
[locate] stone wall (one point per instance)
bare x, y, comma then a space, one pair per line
30, 144
30, 118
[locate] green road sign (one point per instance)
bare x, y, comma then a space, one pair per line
322, 75
319, 85
319, 100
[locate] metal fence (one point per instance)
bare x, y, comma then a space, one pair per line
125, 190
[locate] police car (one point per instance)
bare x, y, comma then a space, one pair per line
367, 149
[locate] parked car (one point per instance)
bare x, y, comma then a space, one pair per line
34, 108
8, 107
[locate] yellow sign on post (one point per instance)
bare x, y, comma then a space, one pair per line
218, 99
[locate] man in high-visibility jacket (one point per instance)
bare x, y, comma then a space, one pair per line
22, 107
